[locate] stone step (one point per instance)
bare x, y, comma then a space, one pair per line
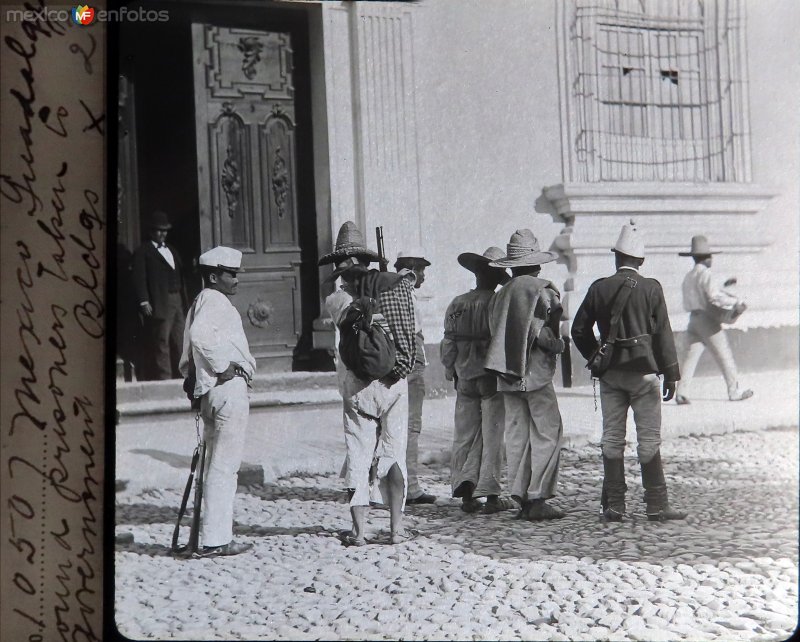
151, 391
269, 390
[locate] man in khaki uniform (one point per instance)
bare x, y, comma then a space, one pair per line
643, 350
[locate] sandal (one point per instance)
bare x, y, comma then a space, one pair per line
471, 506
406, 535
503, 503
348, 539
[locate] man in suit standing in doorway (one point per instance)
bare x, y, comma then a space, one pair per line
161, 295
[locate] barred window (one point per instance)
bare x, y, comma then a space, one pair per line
657, 91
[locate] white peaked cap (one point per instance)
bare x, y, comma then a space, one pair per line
222, 257
630, 241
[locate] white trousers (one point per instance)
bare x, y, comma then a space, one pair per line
225, 410
375, 432
704, 332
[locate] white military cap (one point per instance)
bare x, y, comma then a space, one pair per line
416, 253
222, 257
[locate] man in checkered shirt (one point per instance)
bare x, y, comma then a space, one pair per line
374, 470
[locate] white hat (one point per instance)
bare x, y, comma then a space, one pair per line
414, 253
222, 257
629, 242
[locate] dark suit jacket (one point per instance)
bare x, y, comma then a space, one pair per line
645, 314
151, 277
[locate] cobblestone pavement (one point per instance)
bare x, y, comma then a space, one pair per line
729, 572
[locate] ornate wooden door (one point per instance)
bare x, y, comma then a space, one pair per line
245, 118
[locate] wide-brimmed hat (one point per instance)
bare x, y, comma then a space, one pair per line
412, 254
225, 258
700, 247
343, 266
523, 249
349, 242
159, 220
630, 242
477, 262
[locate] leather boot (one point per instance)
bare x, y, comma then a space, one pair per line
614, 487
655, 492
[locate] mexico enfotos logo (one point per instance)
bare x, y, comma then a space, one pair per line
85, 15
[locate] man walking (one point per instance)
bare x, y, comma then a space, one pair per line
708, 306
158, 284
477, 456
215, 342
412, 264
375, 412
523, 319
643, 349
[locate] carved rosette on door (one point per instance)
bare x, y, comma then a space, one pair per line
244, 99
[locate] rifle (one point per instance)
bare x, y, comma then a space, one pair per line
198, 457
194, 533
381, 249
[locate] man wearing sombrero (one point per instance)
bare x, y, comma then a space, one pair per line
643, 349
523, 318
708, 305
476, 457
375, 412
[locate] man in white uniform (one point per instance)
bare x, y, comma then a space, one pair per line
214, 339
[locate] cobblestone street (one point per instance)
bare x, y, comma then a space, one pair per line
729, 572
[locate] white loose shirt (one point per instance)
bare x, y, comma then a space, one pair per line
700, 291
214, 331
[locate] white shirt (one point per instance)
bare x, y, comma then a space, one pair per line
164, 251
215, 332
701, 291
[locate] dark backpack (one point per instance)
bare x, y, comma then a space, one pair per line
366, 344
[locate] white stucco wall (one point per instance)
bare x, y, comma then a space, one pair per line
488, 127
774, 68
489, 133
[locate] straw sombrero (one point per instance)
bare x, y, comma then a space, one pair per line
349, 243
523, 249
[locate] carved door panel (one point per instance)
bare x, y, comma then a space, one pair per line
245, 118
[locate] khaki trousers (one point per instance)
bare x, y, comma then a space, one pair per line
478, 436
533, 442
620, 390
225, 410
